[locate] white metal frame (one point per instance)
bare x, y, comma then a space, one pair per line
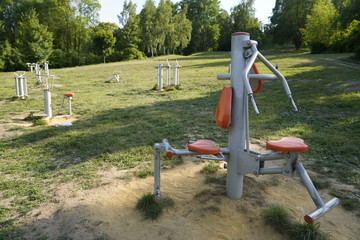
20, 84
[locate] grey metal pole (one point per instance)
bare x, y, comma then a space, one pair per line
236, 140
69, 103
17, 93
157, 170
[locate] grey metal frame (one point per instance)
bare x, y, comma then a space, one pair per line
241, 160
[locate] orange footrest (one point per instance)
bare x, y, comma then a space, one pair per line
204, 146
287, 144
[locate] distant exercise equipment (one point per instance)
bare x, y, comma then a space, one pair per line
47, 85
69, 97
38, 67
116, 76
175, 77
20, 84
176, 73
232, 112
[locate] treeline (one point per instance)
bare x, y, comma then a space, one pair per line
68, 33
322, 24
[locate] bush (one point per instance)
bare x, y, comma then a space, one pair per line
60, 59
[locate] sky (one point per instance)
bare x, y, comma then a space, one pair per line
111, 8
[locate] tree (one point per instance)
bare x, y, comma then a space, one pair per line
320, 25
226, 29
104, 42
289, 17
244, 20
163, 23
129, 35
147, 26
180, 34
205, 28
33, 39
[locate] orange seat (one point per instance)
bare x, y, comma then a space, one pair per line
69, 94
223, 110
287, 144
204, 146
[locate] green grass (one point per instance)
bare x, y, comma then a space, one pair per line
279, 219
152, 208
210, 168
118, 124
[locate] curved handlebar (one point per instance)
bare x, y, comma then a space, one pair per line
245, 77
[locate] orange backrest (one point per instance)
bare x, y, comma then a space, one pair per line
223, 110
259, 82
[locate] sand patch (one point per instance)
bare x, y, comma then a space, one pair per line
110, 210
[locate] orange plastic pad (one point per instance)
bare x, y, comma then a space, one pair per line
288, 144
204, 146
255, 84
69, 94
223, 110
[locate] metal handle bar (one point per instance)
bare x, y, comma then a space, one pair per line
245, 76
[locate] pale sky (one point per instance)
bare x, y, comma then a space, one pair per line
111, 8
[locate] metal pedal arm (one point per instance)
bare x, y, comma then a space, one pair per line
321, 207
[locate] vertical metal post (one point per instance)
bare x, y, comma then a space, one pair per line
237, 136
21, 87
25, 87
160, 77
168, 75
17, 93
175, 73
70, 110
157, 170
47, 103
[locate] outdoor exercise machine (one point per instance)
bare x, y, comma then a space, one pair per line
46, 86
116, 76
69, 97
232, 112
38, 67
20, 84
175, 74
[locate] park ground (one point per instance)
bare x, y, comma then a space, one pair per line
83, 181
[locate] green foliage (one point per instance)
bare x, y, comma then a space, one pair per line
40, 122
210, 168
33, 39
288, 20
244, 19
205, 28
304, 231
104, 42
320, 25
277, 217
152, 208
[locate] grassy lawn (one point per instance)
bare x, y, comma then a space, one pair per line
118, 123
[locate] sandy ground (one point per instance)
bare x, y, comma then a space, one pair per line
108, 212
